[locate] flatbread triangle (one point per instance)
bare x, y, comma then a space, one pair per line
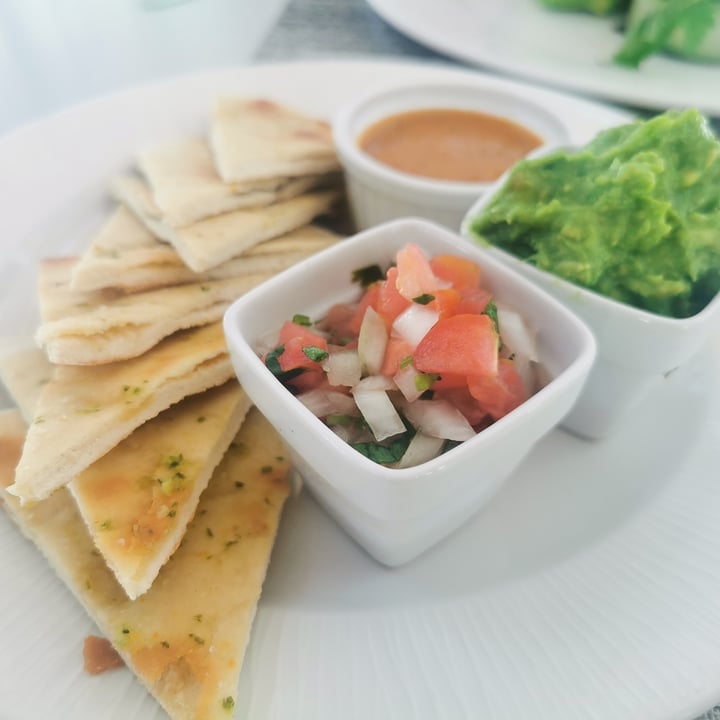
186, 187
209, 242
125, 255
85, 411
97, 327
253, 138
185, 638
137, 500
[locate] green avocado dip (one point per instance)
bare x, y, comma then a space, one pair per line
633, 215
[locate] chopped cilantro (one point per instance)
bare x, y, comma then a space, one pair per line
388, 452
273, 365
271, 360
423, 299
491, 311
299, 319
315, 353
367, 275
424, 381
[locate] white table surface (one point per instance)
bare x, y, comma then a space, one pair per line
57, 53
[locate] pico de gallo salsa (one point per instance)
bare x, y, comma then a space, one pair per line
422, 361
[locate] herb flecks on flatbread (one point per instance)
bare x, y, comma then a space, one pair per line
84, 411
186, 637
138, 498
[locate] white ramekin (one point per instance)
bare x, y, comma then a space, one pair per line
378, 193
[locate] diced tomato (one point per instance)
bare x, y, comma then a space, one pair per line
309, 380
460, 272
450, 381
294, 355
474, 301
295, 339
390, 303
291, 330
461, 344
446, 302
461, 398
415, 276
397, 350
337, 323
500, 393
369, 299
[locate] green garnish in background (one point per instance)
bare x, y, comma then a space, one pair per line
595, 7
676, 25
652, 26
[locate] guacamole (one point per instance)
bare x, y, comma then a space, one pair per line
634, 215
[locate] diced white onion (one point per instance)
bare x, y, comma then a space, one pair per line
404, 378
342, 368
413, 323
439, 418
379, 413
421, 449
372, 342
375, 382
327, 402
351, 433
516, 334
526, 370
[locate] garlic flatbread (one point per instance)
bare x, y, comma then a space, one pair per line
254, 138
99, 327
186, 187
85, 411
186, 637
138, 499
209, 242
125, 255
24, 371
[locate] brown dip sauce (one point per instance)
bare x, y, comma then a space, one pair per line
459, 145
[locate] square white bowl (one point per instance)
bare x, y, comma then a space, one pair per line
396, 514
635, 348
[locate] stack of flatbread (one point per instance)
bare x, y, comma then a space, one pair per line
134, 461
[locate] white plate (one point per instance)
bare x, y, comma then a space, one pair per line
590, 586
569, 50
